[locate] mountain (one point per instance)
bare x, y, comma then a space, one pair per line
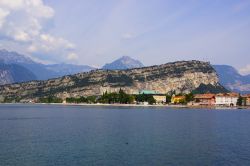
181, 77
12, 73
8, 57
122, 63
67, 69
41, 71
231, 79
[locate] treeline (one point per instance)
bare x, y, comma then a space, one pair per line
89, 100
50, 99
107, 98
115, 97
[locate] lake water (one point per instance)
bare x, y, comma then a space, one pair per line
41, 135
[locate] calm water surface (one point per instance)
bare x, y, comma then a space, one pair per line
41, 135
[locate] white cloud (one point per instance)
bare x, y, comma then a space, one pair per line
245, 70
3, 14
72, 56
23, 22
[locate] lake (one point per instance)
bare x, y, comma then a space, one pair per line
41, 135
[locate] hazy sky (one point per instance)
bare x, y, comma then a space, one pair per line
94, 32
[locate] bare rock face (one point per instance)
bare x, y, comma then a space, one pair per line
181, 77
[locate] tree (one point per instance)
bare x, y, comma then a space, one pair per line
151, 100
189, 97
168, 98
91, 99
240, 101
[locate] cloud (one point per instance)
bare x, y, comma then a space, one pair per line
24, 22
72, 56
245, 70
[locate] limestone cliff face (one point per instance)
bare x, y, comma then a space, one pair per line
183, 76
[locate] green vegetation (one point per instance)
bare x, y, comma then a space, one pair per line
50, 99
189, 97
120, 97
210, 89
240, 101
168, 98
76, 100
145, 98
90, 99
11, 100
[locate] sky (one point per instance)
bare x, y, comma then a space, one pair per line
95, 32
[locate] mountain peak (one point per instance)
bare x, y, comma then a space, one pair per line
10, 57
125, 62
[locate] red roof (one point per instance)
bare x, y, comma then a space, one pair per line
204, 96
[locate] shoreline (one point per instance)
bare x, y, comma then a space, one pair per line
136, 105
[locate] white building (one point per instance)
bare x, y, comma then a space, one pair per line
226, 99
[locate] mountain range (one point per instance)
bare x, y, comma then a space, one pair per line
15, 67
31, 70
232, 79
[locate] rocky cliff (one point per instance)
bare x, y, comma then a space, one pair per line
183, 76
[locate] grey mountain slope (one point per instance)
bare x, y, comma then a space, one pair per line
232, 80
122, 63
12, 73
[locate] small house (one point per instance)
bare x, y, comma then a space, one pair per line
205, 99
160, 99
178, 99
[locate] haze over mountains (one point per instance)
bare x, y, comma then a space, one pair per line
15, 67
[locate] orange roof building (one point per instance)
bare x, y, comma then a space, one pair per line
205, 99
177, 99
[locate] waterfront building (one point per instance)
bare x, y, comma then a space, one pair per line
226, 99
204, 99
160, 99
246, 100
178, 99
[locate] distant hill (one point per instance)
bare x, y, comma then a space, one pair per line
41, 71
232, 79
67, 69
12, 73
122, 63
